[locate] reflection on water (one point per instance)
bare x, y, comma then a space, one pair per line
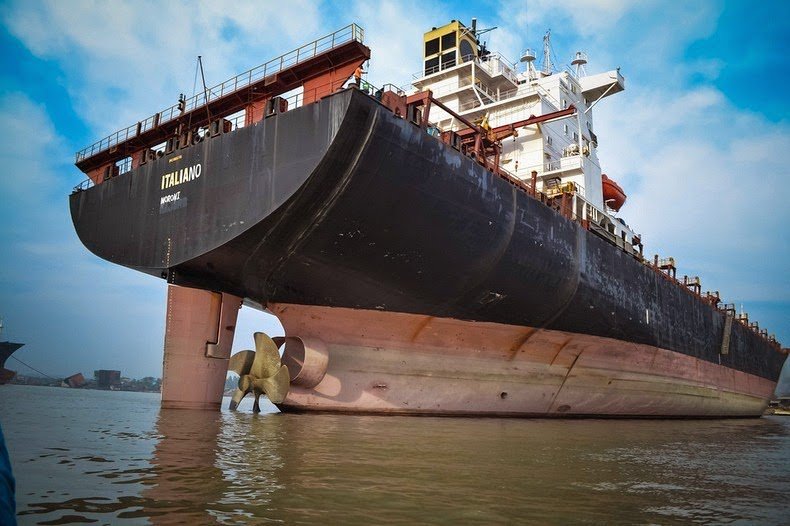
115, 458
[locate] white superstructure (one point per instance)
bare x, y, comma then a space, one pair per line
488, 89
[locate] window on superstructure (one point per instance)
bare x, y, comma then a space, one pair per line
548, 139
565, 128
448, 41
448, 60
564, 103
467, 53
123, 166
575, 136
431, 65
432, 47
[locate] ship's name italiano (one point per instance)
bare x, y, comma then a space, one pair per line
184, 175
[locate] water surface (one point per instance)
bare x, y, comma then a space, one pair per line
115, 458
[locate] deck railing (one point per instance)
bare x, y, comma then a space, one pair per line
349, 33
493, 64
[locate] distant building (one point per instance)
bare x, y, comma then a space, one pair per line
75, 380
106, 378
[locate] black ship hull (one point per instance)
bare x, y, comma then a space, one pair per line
342, 204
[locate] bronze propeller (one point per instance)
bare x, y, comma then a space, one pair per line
260, 372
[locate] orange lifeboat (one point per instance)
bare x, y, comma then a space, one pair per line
613, 195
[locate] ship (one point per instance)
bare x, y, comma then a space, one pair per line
6, 350
448, 249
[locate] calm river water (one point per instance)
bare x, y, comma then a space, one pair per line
116, 458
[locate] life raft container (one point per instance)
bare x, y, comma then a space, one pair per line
613, 195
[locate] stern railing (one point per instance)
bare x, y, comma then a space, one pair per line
351, 32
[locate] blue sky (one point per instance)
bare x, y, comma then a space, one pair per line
697, 139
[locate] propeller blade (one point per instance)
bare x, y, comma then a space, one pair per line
238, 395
276, 386
245, 383
245, 386
267, 357
241, 362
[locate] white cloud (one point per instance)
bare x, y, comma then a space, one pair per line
394, 33
523, 24
52, 291
589, 17
28, 161
705, 182
123, 61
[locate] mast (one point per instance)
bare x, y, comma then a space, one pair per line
547, 67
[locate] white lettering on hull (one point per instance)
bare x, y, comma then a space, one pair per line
170, 198
184, 175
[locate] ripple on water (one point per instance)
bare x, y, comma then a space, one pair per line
123, 461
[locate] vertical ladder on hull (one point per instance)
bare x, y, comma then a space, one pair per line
725, 342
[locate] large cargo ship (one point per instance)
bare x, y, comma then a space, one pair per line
454, 249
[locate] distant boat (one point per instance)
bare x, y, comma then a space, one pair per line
6, 350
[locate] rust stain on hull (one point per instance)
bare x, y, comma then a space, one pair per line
469, 368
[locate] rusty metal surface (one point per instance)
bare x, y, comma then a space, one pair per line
383, 362
191, 379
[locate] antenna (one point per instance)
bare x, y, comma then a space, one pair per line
579, 60
483, 51
203, 77
205, 89
547, 68
528, 56
486, 30
472, 29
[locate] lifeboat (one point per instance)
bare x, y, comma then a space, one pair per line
613, 195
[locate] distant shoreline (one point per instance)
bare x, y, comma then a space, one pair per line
134, 387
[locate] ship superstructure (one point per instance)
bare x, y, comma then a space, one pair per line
488, 89
452, 250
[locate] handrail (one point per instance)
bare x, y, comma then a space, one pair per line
376, 92
237, 120
84, 185
350, 33
466, 59
495, 64
512, 93
487, 63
